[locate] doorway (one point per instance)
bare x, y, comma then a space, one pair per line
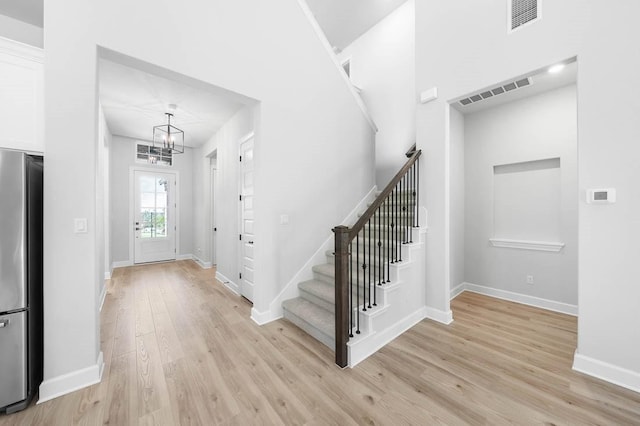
513, 191
246, 217
214, 226
154, 227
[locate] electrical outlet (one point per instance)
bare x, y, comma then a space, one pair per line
529, 279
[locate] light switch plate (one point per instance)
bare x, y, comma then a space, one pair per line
284, 219
80, 225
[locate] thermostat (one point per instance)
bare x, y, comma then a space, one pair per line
601, 196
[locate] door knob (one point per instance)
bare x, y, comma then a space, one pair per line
250, 242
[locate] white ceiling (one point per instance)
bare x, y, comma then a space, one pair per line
343, 21
30, 11
134, 101
541, 81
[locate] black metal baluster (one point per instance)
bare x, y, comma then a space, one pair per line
357, 283
398, 246
407, 184
369, 283
403, 185
399, 221
389, 229
412, 200
377, 220
364, 271
392, 207
351, 288
413, 196
376, 232
418, 194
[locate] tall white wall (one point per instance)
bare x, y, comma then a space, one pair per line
464, 46
123, 154
313, 142
225, 143
535, 128
23, 32
383, 67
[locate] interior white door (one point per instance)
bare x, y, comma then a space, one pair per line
154, 216
246, 219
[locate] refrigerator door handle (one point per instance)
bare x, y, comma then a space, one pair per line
4, 323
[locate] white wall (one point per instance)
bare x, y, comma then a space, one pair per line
23, 32
122, 160
539, 127
383, 67
225, 143
103, 254
464, 46
457, 200
313, 142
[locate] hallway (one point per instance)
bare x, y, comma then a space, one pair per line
180, 348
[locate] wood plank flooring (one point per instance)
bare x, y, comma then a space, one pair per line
180, 349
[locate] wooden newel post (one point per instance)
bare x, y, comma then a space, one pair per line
342, 294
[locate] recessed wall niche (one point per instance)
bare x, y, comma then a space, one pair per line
527, 201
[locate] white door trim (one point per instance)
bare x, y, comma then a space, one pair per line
132, 170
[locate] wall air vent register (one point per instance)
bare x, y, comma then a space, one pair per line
522, 12
496, 91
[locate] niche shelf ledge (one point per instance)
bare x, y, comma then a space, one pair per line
527, 245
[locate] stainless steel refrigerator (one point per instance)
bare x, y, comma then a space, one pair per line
21, 327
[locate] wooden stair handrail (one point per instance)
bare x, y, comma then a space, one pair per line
357, 227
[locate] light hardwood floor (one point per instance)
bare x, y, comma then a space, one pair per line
180, 349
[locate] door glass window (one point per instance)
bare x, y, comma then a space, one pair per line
153, 207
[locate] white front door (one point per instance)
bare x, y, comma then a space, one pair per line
246, 219
154, 216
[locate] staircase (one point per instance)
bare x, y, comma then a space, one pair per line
386, 280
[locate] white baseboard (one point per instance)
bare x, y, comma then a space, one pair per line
70, 382
184, 257
122, 264
107, 275
444, 317
456, 291
228, 283
608, 372
537, 302
202, 263
262, 318
103, 296
361, 349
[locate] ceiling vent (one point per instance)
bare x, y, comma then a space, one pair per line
496, 91
522, 12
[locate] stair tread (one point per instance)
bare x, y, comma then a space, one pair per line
328, 269
320, 289
318, 317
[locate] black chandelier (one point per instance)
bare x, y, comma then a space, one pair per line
168, 137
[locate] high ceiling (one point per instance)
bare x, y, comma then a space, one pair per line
134, 101
343, 21
29, 11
